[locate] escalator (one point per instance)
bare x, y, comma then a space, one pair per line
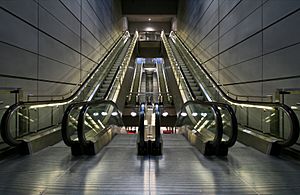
187, 74
149, 140
31, 126
202, 122
111, 74
89, 125
271, 114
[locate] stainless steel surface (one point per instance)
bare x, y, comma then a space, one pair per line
118, 170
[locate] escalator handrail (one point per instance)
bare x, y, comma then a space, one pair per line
85, 105
179, 71
157, 124
110, 85
219, 134
234, 124
65, 122
233, 137
80, 126
294, 122
218, 118
132, 44
5, 121
141, 128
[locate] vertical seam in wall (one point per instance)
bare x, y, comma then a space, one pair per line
38, 48
104, 25
221, 20
80, 44
44, 32
254, 34
218, 75
199, 19
262, 58
38, 60
80, 23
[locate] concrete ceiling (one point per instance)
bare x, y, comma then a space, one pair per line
152, 7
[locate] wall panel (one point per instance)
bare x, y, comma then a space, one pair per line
47, 47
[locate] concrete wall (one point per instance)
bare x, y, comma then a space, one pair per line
250, 46
47, 47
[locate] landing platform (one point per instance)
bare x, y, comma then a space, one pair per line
118, 170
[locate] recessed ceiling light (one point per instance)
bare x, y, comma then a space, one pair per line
149, 19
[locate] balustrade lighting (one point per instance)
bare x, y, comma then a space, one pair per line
194, 114
233, 103
184, 114
114, 113
103, 113
165, 114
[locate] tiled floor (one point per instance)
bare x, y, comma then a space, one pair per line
118, 170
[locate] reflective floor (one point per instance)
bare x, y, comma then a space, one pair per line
117, 170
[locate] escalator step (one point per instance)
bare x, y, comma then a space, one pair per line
98, 98
102, 90
195, 88
200, 97
105, 85
193, 84
191, 81
197, 93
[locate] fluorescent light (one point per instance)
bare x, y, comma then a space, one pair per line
294, 107
95, 114
133, 114
165, 114
149, 29
7, 106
